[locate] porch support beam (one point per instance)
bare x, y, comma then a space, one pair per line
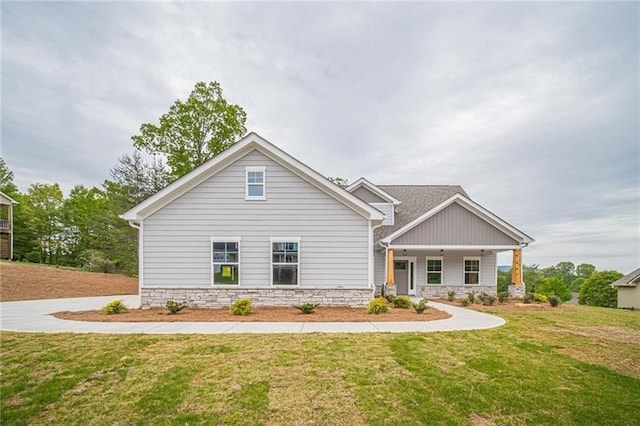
516, 268
390, 271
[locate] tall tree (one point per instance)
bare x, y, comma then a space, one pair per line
139, 179
597, 291
585, 270
44, 219
6, 180
195, 130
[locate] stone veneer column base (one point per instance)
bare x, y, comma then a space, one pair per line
442, 291
517, 290
209, 297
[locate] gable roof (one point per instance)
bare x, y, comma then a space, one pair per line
470, 205
629, 280
362, 182
8, 199
247, 144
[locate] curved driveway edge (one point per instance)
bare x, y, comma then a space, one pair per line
34, 316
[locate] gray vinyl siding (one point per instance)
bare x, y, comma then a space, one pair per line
453, 264
334, 242
379, 267
365, 195
455, 225
629, 297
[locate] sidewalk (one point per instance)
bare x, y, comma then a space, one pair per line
34, 316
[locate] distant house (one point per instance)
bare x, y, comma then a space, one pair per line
628, 290
6, 226
255, 222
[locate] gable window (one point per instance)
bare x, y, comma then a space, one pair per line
434, 270
285, 262
255, 183
226, 261
472, 270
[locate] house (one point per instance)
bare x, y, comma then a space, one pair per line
254, 222
6, 226
628, 290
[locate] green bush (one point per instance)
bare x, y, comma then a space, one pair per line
114, 307
528, 298
551, 286
451, 296
471, 296
487, 299
597, 291
389, 298
377, 306
241, 307
554, 300
402, 302
465, 302
421, 306
306, 308
503, 296
538, 297
175, 307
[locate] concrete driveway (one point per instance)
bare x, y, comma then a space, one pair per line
34, 316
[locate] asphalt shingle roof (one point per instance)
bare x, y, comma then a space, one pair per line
628, 280
416, 200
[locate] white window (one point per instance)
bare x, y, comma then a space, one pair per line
285, 261
225, 259
434, 270
255, 183
471, 270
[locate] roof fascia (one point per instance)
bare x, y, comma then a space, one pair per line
11, 200
371, 187
473, 208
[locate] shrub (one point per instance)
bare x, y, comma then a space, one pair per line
528, 298
451, 296
597, 291
554, 286
306, 308
175, 307
114, 307
503, 296
487, 299
421, 306
554, 300
538, 297
377, 306
465, 302
389, 298
241, 307
471, 296
402, 302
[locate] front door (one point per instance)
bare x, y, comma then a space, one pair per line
401, 276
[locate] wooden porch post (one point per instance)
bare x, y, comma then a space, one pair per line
516, 268
390, 271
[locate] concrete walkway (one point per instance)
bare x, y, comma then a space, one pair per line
34, 316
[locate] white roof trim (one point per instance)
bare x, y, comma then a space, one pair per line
371, 187
236, 151
474, 208
452, 247
627, 280
11, 200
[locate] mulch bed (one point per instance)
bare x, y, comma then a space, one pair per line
511, 305
260, 314
19, 281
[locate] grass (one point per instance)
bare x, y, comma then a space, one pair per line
548, 367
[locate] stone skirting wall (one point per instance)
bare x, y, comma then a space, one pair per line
440, 291
209, 297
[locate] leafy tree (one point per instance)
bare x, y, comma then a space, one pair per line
576, 284
597, 290
44, 204
139, 179
504, 280
6, 180
195, 130
554, 286
585, 270
339, 181
531, 275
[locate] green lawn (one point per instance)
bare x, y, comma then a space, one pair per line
552, 367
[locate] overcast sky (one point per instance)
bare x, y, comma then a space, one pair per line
533, 108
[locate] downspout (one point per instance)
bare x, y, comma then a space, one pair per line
140, 255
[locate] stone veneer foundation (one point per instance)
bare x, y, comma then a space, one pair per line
221, 297
441, 291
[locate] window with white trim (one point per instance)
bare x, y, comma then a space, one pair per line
285, 262
255, 183
471, 270
434, 270
226, 261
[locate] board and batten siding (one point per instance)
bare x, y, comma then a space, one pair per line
365, 195
334, 243
454, 225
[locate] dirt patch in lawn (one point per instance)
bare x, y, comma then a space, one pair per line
260, 314
510, 305
19, 281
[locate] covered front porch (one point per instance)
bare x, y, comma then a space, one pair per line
432, 272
